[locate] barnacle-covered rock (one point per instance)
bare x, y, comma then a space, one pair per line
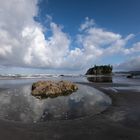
45, 89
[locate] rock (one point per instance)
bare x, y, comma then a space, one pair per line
45, 89
130, 76
100, 70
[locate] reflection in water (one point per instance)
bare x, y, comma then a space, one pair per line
20, 105
100, 79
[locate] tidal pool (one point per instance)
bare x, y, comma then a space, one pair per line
17, 104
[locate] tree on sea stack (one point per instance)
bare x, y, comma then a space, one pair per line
100, 70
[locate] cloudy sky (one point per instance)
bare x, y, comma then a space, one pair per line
68, 36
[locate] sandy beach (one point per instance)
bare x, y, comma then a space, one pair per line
120, 121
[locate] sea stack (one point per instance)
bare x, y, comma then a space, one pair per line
100, 70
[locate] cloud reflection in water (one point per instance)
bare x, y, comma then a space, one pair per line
19, 105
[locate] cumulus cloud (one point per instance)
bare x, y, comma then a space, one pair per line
98, 42
130, 64
24, 44
87, 23
22, 40
134, 49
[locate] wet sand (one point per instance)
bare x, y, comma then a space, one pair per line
121, 121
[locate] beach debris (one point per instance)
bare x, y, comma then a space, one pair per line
45, 89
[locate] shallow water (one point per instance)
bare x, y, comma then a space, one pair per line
124, 88
17, 104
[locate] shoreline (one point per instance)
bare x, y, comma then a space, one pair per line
119, 121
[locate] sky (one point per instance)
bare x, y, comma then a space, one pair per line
68, 36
